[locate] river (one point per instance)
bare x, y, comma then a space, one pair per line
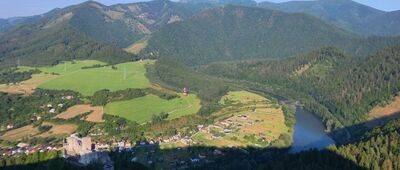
309, 132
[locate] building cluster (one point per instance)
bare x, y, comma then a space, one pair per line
23, 148
171, 139
225, 126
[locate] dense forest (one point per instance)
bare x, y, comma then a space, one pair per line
325, 81
37, 45
236, 32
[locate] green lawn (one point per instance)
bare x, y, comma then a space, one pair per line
241, 97
88, 81
141, 109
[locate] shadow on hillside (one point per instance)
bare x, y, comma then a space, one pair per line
358, 130
198, 157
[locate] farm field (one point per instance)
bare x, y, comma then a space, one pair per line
88, 81
142, 109
96, 113
27, 87
19, 133
64, 129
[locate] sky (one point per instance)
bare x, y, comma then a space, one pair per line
14, 8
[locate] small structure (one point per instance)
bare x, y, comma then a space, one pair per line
10, 126
52, 110
185, 91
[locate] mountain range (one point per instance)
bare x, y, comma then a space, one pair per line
238, 32
346, 14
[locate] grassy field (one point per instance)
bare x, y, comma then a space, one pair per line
142, 109
88, 81
241, 97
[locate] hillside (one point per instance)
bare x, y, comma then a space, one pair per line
325, 81
41, 44
120, 25
346, 14
222, 2
123, 24
235, 32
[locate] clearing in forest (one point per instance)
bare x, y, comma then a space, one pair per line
390, 111
142, 109
96, 113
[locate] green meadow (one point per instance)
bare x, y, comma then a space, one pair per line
142, 109
71, 76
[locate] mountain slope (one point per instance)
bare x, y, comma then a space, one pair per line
346, 87
346, 14
48, 43
235, 32
124, 24
120, 25
222, 2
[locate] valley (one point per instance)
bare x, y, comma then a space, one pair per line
201, 84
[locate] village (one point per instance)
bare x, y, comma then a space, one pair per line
235, 129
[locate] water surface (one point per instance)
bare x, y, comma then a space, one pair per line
309, 132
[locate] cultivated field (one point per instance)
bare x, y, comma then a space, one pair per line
96, 113
142, 109
18, 134
88, 81
65, 129
27, 87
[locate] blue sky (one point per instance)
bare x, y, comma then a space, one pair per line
12, 8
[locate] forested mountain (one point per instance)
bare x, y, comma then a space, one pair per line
237, 32
346, 14
223, 2
123, 24
344, 86
8, 24
120, 25
47, 43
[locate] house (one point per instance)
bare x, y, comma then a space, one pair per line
52, 111
49, 105
10, 126
60, 105
69, 97
22, 145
